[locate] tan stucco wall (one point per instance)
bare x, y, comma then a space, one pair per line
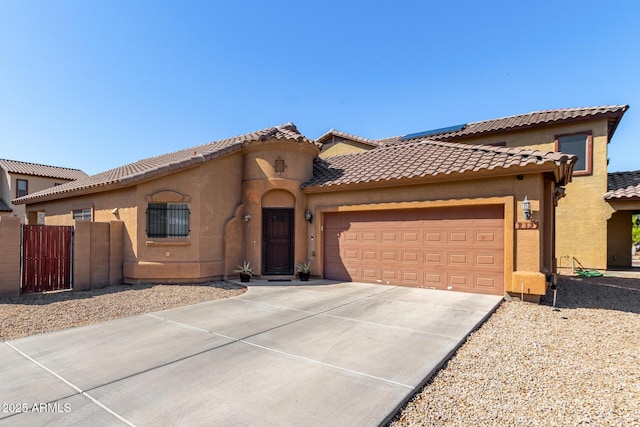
582, 215
263, 187
35, 184
10, 243
342, 146
219, 193
619, 239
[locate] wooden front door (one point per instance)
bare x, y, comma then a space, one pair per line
277, 249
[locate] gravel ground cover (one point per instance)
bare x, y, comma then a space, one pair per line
37, 313
530, 365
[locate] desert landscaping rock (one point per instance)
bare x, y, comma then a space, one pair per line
39, 313
531, 365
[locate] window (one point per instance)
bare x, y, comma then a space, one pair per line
22, 187
580, 145
82, 214
167, 220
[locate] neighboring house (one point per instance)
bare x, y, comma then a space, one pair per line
422, 213
594, 220
18, 179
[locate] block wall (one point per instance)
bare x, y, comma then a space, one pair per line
9, 256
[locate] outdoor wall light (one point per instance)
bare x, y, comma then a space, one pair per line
247, 218
526, 209
308, 215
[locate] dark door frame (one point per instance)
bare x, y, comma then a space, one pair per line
267, 215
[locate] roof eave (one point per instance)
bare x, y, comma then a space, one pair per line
614, 116
442, 177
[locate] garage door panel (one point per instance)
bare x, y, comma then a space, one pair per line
390, 237
353, 272
369, 237
370, 255
486, 283
458, 237
459, 259
411, 277
369, 274
458, 280
485, 260
410, 237
390, 275
412, 257
390, 255
351, 237
433, 237
433, 279
351, 254
433, 258
487, 237
443, 248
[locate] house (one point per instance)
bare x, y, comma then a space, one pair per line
594, 220
423, 212
18, 179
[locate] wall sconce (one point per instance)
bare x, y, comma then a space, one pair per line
526, 209
247, 218
308, 216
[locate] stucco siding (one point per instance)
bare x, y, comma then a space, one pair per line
341, 146
619, 239
581, 216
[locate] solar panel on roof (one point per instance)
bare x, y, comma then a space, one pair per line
433, 132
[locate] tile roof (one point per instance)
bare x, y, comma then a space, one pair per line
333, 132
4, 206
425, 158
33, 169
145, 168
623, 186
536, 118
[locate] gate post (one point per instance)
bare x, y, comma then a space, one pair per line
9, 256
82, 256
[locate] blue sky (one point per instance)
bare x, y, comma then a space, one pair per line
98, 84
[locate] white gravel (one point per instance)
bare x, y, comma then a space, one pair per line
529, 365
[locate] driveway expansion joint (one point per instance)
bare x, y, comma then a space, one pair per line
70, 384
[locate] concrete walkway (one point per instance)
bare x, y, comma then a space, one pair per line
287, 354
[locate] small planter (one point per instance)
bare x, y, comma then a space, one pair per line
245, 277
304, 277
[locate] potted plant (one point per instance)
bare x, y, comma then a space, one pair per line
245, 270
304, 271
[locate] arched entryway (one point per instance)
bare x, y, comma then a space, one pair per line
278, 233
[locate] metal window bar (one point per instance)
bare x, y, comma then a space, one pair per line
167, 220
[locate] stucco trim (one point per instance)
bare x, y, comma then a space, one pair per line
168, 196
509, 220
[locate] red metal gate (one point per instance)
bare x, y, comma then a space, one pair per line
46, 257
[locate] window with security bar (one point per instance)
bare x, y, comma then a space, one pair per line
168, 220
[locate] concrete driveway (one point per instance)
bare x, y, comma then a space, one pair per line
293, 354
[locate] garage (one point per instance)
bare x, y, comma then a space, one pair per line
457, 248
